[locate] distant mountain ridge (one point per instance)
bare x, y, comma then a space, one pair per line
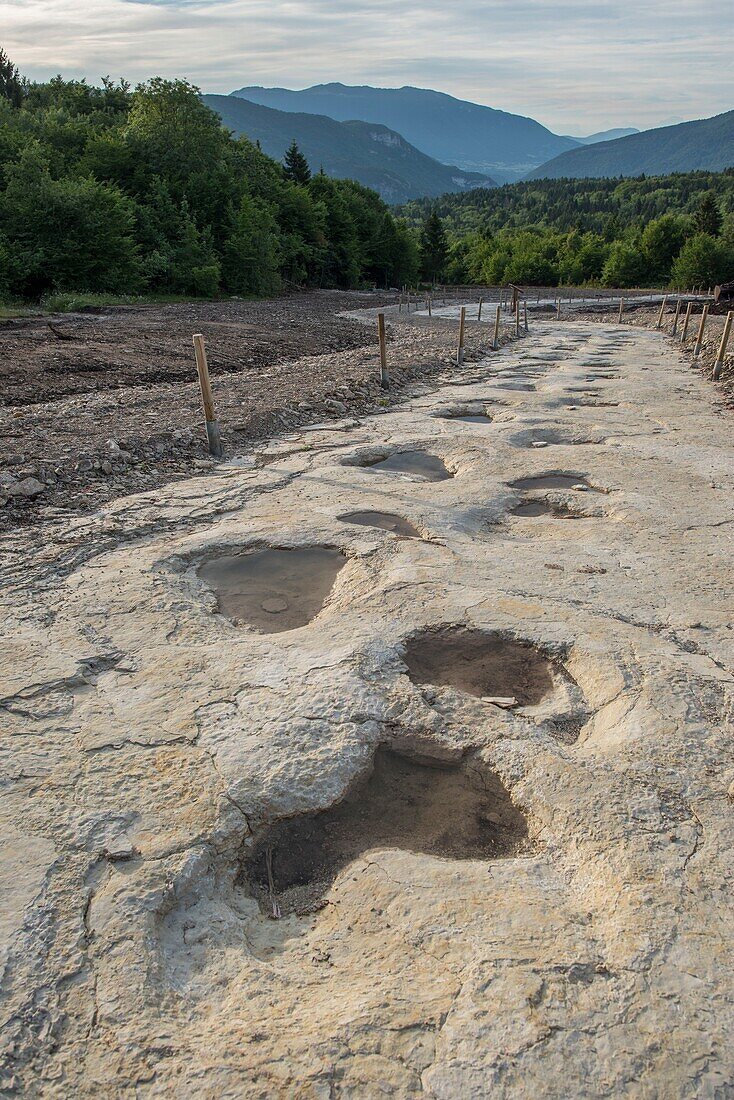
452, 131
369, 153
609, 135
704, 145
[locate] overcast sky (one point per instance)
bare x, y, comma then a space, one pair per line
575, 65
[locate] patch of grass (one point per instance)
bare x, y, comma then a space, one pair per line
16, 309
73, 302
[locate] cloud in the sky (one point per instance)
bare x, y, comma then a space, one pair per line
576, 65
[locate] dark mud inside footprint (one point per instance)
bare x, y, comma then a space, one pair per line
273, 590
554, 481
455, 812
418, 463
531, 509
479, 663
386, 521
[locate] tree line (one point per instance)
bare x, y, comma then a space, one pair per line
117, 190
669, 230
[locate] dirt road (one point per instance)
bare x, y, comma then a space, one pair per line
454, 818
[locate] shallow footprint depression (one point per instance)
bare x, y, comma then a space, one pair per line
484, 664
273, 590
459, 812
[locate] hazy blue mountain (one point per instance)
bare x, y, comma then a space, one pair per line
707, 144
362, 151
453, 131
608, 135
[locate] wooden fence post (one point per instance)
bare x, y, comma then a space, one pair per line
479, 311
496, 341
663, 304
462, 325
701, 327
621, 309
558, 309
525, 304
721, 355
210, 418
675, 319
686, 323
430, 305
517, 317
384, 376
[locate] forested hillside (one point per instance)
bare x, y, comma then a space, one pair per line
105, 189
364, 151
706, 144
677, 228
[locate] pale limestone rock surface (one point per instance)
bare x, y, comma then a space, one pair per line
148, 742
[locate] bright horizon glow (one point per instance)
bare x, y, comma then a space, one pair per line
576, 67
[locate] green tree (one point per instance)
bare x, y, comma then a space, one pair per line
11, 85
662, 240
626, 266
295, 165
67, 234
708, 215
251, 259
703, 261
434, 248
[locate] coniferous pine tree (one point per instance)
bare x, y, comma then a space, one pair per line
434, 247
708, 215
11, 85
296, 166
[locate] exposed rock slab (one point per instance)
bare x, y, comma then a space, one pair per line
149, 743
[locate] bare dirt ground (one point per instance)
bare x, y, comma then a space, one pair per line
93, 405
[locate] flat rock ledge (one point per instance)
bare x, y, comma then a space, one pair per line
153, 746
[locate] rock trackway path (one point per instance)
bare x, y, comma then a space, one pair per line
147, 742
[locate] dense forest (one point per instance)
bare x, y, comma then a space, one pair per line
118, 191
676, 229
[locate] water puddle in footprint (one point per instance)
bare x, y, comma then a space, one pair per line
531, 509
418, 463
525, 387
454, 812
273, 590
471, 418
386, 521
479, 663
554, 481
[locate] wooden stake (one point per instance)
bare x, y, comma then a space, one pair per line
400, 304
496, 341
462, 325
479, 311
517, 317
525, 305
384, 376
430, 306
701, 327
721, 354
210, 418
621, 309
663, 304
675, 319
686, 323
558, 309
